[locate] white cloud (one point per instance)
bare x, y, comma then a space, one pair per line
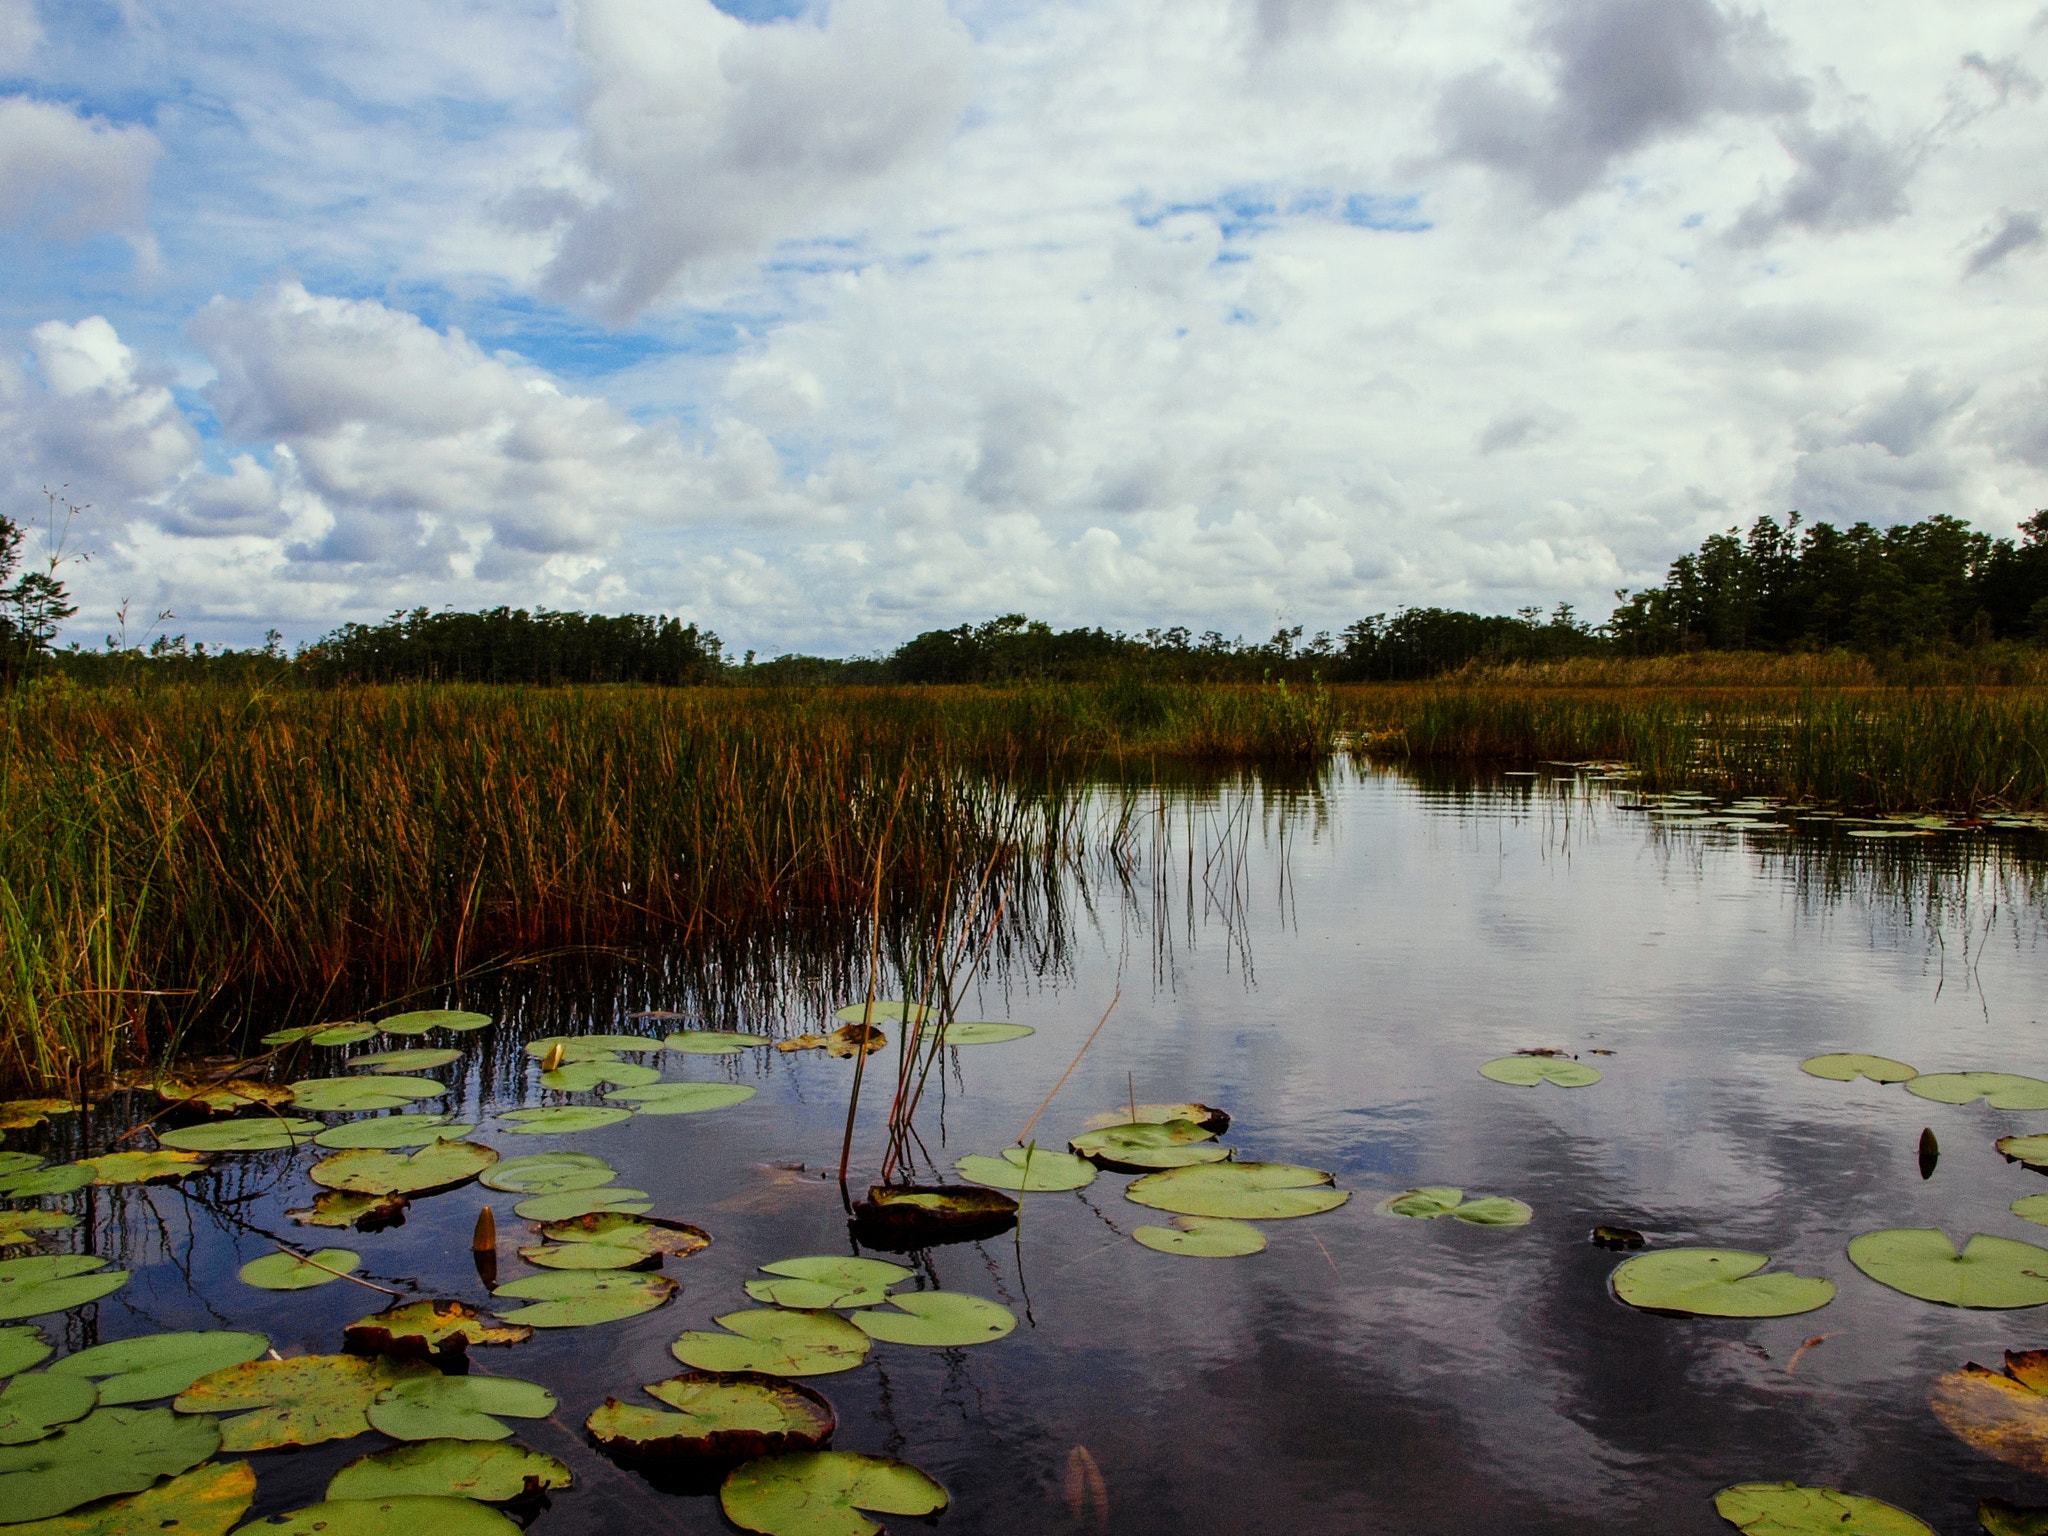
70, 177
20, 33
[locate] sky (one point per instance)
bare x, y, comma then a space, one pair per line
826, 324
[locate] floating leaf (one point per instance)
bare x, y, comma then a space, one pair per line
1785, 1509
550, 1173
343, 1208
579, 1300
776, 1343
911, 1216
395, 1516
343, 1034
2032, 1208
883, 1008
711, 1042
583, 1202
2002, 1090
941, 1319
1207, 1116
1528, 1071
1443, 1200
490, 1471
54, 1283
457, 1407
1847, 1066
584, 1256
207, 1501
1716, 1282
436, 1167
418, 1023
722, 1415
31, 1183
293, 1036
589, 1047
821, 1493
1990, 1272
330, 1095
802, 1043
423, 1060
1204, 1237
35, 1403
307, 1400
114, 1450
1029, 1170
682, 1098
265, 1134
242, 1093
20, 1114
611, 1228
21, 1348
564, 1120
144, 1167
390, 1131
1142, 1145
158, 1364
12, 1163
1245, 1191
850, 1040
585, 1076
2004, 1413
2031, 1150
828, 1281
2001, 1517
289, 1272
441, 1331
974, 1033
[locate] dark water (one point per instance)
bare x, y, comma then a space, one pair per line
1331, 964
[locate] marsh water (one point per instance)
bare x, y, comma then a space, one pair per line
1330, 961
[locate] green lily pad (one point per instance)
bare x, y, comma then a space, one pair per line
489, 1471
682, 1098
722, 1415
551, 1173
307, 1400
1204, 1237
12, 1163
884, 1008
288, 1272
589, 1047
1443, 1200
110, 1451
564, 1120
428, 1330
419, 1022
942, 1319
457, 1407
346, 1095
1028, 1170
570, 1300
144, 1167
207, 1501
2002, 1090
344, 1208
342, 1034
2031, 1150
21, 1348
2032, 1208
293, 1036
585, 1076
1528, 1071
828, 1282
822, 1493
614, 1229
253, 1134
421, 1060
1243, 1191
31, 1183
1847, 1066
438, 1166
972, 1032
711, 1042
158, 1364
776, 1343
1716, 1282
1990, 1272
584, 1202
390, 1131
54, 1283
399, 1515
36, 1402
1785, 1509
1141, 1146
584, 1256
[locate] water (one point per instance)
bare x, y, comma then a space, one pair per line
1330, 963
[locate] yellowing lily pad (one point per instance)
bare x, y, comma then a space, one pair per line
1204, 1237
419, 1022
307, 1400
267, 1133
1528, 1071
1785, 1509
1847, 1066
110, 1451
1141, 1146
2002, 1413
1243, 1191
441, 1331
347, 1095
1445, 1200
1716, 1282
343, 1208
776, 1343
572, 1300
241, 1093
719, 1416
489, 1471
158, 1364
1990, 1272
2001, 1090
438, 1166
564, 1119
457, 1407
54, 1283
289, 1272
681, 1098
207, 1501
1028, 1170
20, 1114
940, 1319
822, 1493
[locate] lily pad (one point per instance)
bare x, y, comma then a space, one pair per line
344, 1208
1444, 1200
419, 1022
342, 1034
396, 1516
972, 1032
720, 1415
20, 1114
1990, 1272
1141, 1146
421, 1060
2001, 1517
1204, 1237
550, 1173
583, 1202
252, 1134
12, 1163
776, 1343
144, 1167
1207, 1116
288, 1272
612, 1228
36, 1402
884, 1008
827, 1282
436, 1167
242, 1093
567, 1300
489, 1471
1785, 1509
307, 1400
294, 1035
941, 1319
30, 1183
585, 1256
389, 1131
1528, 1071
2003, 1413
1030, 1170
346, 1095
158, 1364
565, 1119
822, 1493
682, 1098
2032, 1208
1716, 1282
912, 1216
1244, 1191
54, 1283
2002, 1090
711, 1042
457, 1407
110, 1451
207, 1501
441, 1331
1847, 1066
21, 1348
589, 1047
585, 1076
2031, 1150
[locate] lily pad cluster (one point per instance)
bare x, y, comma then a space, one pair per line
1435, 1200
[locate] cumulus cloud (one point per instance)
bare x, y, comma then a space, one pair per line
69, 177
1847, 178
2017, 231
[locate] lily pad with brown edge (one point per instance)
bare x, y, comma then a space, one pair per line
647, 1235
422, 1059
1203, 1237
1847, 1066
399, 1515
898, 1218
1028, 1170
155, 1365
36, 1402
1786, 1509
441, 1165
2001, 1517
551, 1173
110, 1451
306, 1400
2003, 1413
391, 1131
488, 1471
1990, 1272
1435, 1200
421, 1020
21, 1348
828, 1282
1716, 1282
590, 1047
1207, 1116
348, 1095
1243, 1191
440, 1330
1528, 1071
2030, 1150
938, 1319
823, 1493
345, 1208
457, 1407
207, 1501
681, 1098
571, 1300
719, 1416
564, 1119
289, 1272
223, 1098
587, 1076
562, 1205
1142, 1146
54, 1283
22, 1114
850, 1040
776, 1343
980, 1032
711, 1042
2001, 1090
249, 1133
32, 1183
